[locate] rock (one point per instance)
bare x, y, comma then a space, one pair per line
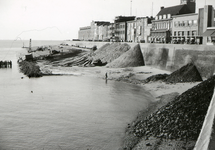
148, 144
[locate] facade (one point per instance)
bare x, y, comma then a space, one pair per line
206, 19
210, 36
131, 31
121, 31
143, 29
185, 29
84, 33
98, 30
162, 25
120, 26
111, 31
138, 30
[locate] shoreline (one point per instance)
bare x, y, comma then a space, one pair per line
161, 92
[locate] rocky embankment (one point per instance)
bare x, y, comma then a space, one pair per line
180, 120
30, 69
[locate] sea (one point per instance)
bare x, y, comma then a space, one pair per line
63, 112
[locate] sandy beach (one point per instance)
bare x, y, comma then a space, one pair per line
161, 91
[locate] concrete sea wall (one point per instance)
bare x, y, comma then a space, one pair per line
172, 56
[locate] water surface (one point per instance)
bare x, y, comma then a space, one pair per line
64, 112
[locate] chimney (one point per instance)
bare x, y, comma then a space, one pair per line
162, 7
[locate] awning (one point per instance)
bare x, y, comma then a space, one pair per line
208, 32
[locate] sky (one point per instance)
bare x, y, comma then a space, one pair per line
61, 19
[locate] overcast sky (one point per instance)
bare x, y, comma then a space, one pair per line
61, 19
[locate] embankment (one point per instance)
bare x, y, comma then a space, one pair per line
30, 69
171, 56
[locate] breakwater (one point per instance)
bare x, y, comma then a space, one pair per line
171, 56
30, 69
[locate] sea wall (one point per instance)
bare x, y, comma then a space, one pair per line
172, 56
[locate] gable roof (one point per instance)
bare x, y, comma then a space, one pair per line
174, 10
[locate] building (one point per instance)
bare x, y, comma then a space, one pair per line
138, 30
192, 28
84, 33
162, 25
131, 31
206, 20
98, 30
185, 29
120, 27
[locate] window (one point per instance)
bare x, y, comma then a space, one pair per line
195, 22
188, 33
174, 33
190, 23
179, 33
175, 23
193, 33
185, 23
182, 33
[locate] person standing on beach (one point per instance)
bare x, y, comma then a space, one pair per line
106, 76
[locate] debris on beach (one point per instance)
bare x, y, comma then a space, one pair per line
131, 58
157, 77
30, 69
180, 119
110, 52
187, 73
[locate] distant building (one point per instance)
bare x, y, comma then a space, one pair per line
185, 29
138, 30
120, 27
98, 30
131, 31
84, 33
111, 32
206, 20
192, 28
162, 25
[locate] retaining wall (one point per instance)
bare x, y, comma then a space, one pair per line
172, 56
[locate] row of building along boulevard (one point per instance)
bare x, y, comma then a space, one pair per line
178, 24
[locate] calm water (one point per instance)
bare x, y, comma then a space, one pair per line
64, 112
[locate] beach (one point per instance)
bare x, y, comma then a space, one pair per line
164, 92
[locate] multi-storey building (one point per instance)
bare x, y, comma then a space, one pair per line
84, 33
111, 32
185, 29
138, 30
189, 28
120, 23
98, 30
131, 31
162, 25
206, 23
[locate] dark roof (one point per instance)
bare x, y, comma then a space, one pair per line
174, 10
99, 23
124, 18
